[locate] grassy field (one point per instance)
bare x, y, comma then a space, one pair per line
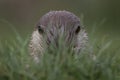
100, 61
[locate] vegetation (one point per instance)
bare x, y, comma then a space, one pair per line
97, 62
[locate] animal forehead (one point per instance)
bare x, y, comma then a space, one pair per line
59, 18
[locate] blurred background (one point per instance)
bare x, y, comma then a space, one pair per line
100, 16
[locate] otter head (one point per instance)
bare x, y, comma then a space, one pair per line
55, 24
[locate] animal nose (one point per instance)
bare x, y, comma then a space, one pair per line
74, 46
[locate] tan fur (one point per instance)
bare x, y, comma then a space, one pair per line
36, 46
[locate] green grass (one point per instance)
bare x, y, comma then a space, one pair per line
98, 62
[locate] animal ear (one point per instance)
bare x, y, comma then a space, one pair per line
78, 30
40, 29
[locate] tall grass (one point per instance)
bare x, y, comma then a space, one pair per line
97, 62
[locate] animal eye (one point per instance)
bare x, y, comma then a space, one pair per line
40, 29
77, 30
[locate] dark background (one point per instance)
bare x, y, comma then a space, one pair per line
100, 16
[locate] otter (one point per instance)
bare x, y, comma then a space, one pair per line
51, 26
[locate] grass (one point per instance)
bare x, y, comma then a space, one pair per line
98, 62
